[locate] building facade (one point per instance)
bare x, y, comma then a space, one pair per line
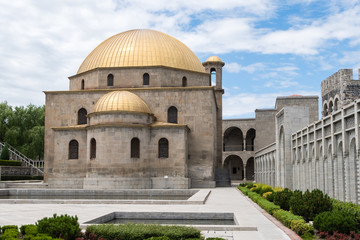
139, 113
321, 154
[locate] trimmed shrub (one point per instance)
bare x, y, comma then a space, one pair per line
5, 155
265, 204
159, 238
10, 163
265, 195
62, 226
141, 231
244, 190
301, 227
265, 189
332, 221
270, 197
247, 185
309, 204
286, 217
6, 227
348, 207
283, 198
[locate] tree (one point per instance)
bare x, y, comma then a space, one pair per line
23, 128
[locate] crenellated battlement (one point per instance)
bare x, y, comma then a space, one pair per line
336, 80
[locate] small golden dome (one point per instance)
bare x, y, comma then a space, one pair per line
121, 101
140, 48
213, 59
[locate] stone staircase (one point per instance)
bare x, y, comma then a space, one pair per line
38, 165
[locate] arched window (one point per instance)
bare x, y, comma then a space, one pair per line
331, 106
325, 110
73, 149
110, 80
213, 77
146, 79
82, 116
250, 139
336, 104
135, 148
92, 148
184, 82
163, 148
82, 84
172, 115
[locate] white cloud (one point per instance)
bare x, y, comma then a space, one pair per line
234, 67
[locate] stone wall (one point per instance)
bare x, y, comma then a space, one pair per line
132, 77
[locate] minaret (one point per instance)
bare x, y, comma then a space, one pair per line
214, 64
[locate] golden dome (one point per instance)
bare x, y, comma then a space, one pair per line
121, 101
140, 48
213, 59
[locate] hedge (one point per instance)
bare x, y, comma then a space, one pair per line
10, 163
294, 222
141, 231
265, 204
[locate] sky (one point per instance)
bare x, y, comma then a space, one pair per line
270, 48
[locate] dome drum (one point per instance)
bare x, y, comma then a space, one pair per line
132, 77
104, 118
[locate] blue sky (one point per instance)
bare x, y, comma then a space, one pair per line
270, 48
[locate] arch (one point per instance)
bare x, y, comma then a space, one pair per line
352, 172
235, 166
163, 148
250, 169
172, 114
250, 138
336, 103
329, 172
325, 109
146, 79
331, 107
233, 139
282, 156
135, 148
321, 169
92, 148
73, 149
82, 84
82, 119
340, 172
184, 81
212, 77
110, 80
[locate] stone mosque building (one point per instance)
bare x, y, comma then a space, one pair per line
142, 112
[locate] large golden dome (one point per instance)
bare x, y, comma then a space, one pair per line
140, 48
121, 101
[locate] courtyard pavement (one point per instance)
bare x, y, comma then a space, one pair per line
220, 200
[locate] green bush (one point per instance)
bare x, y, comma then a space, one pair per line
348, 207
301, 227
265, 204
141, 231
10, 234
215, 238
6, 227
62, 226
5, 155
10, 163
336, 221
244, 190
247, 185
309, 204
265, 189
286, 217
283, 198
159, 238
